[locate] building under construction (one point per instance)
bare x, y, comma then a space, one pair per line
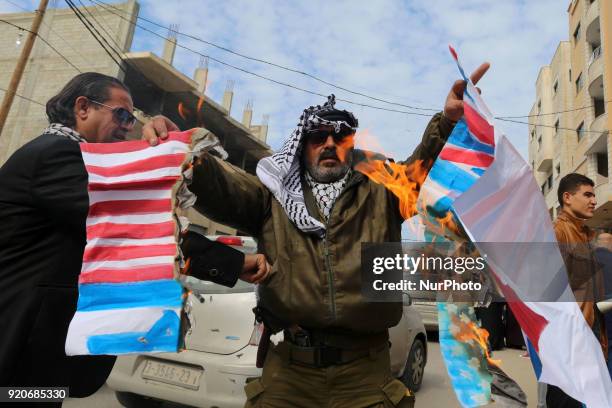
99, 39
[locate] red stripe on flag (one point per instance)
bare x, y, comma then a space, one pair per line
453, 52
531, 323
130, 231
152, 163
122, 253
133, 145
478, 126
125, 207
128, 275
162, 183
469, 157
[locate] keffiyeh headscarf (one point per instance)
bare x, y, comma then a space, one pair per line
280, 173
65, 131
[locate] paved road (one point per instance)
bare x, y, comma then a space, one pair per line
435, 392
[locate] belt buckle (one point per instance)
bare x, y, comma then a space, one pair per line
327, 356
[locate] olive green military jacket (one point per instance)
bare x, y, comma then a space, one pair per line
315, 282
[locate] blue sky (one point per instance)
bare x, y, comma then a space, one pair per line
394, 50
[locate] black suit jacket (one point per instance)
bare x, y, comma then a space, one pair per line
43, 208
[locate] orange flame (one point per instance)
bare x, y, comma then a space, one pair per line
183, 111
403, 180
470, 332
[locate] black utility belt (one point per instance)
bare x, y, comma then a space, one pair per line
324, 356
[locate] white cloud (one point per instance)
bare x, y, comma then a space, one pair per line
391, 49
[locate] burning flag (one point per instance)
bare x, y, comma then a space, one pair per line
506, 206
464, 158
129, 301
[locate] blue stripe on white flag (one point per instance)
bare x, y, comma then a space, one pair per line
104, 296
163, 336
462, 137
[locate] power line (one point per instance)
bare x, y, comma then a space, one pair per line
260, 60
53, 31
551, 113
272, 79
91, 31
43, 40
25, 97
548, 126
118, 50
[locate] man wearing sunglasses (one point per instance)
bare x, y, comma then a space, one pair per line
310, 210
43, 208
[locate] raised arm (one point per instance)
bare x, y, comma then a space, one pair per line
230, 196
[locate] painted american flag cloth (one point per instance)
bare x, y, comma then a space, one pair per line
129, 300
467, 154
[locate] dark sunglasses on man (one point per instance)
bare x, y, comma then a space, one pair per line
319, 136
123, 116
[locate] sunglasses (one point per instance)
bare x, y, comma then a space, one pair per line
123, 116
319, 136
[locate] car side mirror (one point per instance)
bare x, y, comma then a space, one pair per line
406, 299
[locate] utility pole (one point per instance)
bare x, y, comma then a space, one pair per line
21, 63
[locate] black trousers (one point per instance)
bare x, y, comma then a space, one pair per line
555, 398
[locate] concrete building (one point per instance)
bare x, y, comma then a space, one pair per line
157, 87
569, 121
46, 72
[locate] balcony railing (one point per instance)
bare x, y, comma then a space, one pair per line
595, 54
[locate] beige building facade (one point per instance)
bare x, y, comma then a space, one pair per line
569, 122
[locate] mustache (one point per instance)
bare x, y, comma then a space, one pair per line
328, 154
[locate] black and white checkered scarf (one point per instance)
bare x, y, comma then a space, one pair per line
65, 131
281, 172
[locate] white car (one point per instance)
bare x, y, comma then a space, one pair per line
221, 348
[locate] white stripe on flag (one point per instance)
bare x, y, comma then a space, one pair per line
154, 260
144, 176
131, 219
116, 159
121, 242
113, 195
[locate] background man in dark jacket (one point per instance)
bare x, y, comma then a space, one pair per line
43, 207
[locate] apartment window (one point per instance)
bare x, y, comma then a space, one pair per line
539, 106
539, 142
557, 127
551, 213
533, 164
543, 187
556, 86
579, 83
570, 74
558, 169
580, 131
602, 164
600, 106
532, 134
577, 33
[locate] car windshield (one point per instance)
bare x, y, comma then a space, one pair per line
206, 287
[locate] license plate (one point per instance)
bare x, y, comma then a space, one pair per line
175, 374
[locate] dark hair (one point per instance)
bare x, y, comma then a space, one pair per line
93, 85
571, 183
